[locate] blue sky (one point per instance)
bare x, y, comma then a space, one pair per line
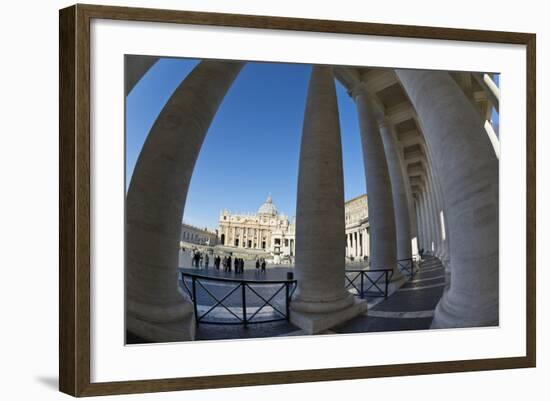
252, 147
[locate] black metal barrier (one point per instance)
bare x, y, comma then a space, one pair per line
373, 278
236, 285
407, 267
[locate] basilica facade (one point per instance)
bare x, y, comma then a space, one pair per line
272, 232
267, 230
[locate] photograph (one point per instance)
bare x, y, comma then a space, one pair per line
273, 199
257, 200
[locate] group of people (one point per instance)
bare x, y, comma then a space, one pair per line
201, 259
260, 263
238, 264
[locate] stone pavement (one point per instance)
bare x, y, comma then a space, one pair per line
409, 307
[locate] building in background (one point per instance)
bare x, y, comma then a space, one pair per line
269, 231
198, 236
357, 228
266, 230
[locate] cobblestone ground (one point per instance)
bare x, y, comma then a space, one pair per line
409, 307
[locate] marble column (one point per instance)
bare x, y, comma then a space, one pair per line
156, 309
445, 242
419, 233
399, 192
466, 163
434, 226
425, 226
321, 299
437, 221
136, 67
383, 252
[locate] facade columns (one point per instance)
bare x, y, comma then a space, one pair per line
399, 192
468, 169
383, 252
156, 310
321, 299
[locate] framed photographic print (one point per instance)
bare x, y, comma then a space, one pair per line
250, 200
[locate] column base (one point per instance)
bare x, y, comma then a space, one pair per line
168, 328
447, 315
313, 323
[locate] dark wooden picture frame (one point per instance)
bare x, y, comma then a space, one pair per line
74, 206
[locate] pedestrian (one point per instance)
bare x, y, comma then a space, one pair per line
206, 260
263, 265
195, 258
257, 265
229, 263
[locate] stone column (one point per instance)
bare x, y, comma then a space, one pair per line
465, 161
383, 252
427, 221
445, 243
433, 217
437, 220
136, 67
399, 191
156, 310
425, 229
419, 220
321, 299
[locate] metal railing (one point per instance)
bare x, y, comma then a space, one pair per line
407, 267
198, 282
376, 279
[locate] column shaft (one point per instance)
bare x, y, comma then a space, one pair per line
320, 225
383, 252
155, 203
400, 204
467, 166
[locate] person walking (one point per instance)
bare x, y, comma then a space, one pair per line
206, 260
263, 265
229, 263
195, 258
257, 265
241, 265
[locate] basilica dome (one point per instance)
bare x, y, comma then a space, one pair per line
268, 207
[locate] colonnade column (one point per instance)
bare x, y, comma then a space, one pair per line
419, 230
399, 192
321, 299
432, 219
425, 227
468, 169
383, 252
155, 309
426, 220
